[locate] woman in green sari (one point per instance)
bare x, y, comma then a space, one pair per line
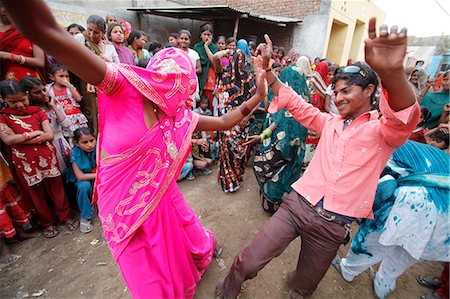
206, 49
435, 102
279, 161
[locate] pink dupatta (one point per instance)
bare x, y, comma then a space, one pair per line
131, 184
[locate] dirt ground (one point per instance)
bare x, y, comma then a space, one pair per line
76, 265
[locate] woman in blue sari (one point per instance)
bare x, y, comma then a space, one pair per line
278, 163
410, 218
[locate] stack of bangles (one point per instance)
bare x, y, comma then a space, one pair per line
22, 59
266, 133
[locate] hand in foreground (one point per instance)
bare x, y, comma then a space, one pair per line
385, 53
6, 130
266, 51
261, 85
90, 88
254, 139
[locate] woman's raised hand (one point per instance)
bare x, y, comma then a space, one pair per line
385, 52
265, 50
254, 139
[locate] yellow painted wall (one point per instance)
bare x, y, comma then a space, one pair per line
347, 29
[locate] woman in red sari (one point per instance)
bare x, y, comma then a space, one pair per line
19, 57
145, 131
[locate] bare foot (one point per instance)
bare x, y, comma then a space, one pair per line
24, 236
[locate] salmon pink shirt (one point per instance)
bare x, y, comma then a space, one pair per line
347, 163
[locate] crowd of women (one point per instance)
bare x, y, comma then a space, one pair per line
52, 120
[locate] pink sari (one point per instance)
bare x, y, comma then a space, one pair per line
161, 247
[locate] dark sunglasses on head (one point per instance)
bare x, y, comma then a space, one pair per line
354, 69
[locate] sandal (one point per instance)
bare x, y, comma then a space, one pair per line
50, 232
267, 205
86, 227
431, 282
72, 224
336, 263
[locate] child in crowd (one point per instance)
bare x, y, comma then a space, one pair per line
14, 220
277, 67
27, 130
110, 19
281, 56
231, 44
203, 107
68, 97
330, 106
136, 43
116, 36
201, 148
439, 137
83, 173
126, 28
173, 38
184, 41
38, 96
221, 43
186, 171
419, 131
75, 29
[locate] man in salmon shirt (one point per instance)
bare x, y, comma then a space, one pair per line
340, 182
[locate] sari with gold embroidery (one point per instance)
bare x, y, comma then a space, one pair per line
161, 247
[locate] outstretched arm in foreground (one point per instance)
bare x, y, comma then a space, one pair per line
385, 54
227, 121
35, 21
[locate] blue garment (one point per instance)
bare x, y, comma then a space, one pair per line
187, 167
86, 163
411, 204
243, 45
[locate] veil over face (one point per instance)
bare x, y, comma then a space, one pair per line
172, 78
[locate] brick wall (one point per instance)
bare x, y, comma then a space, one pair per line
283, 8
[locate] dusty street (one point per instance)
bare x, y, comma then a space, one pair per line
74, 265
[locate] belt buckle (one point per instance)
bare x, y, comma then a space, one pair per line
321, 213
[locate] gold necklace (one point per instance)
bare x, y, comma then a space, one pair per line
170, 144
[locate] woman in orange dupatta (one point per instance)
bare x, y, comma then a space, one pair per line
145, 130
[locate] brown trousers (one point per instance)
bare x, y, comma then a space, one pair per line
320, 241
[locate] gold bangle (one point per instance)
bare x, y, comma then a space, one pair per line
22, 59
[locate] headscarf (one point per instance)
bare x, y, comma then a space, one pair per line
292, 55
91, 45
243, 45
169, 79
303, 66
322, 69
419, 87
127, 28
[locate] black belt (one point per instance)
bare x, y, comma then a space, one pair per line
324, 213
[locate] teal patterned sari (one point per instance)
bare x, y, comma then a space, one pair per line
278, 163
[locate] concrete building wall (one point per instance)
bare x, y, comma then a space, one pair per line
157, 28
347, 28
309, 37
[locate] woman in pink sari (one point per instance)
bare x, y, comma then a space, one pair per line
145, 131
